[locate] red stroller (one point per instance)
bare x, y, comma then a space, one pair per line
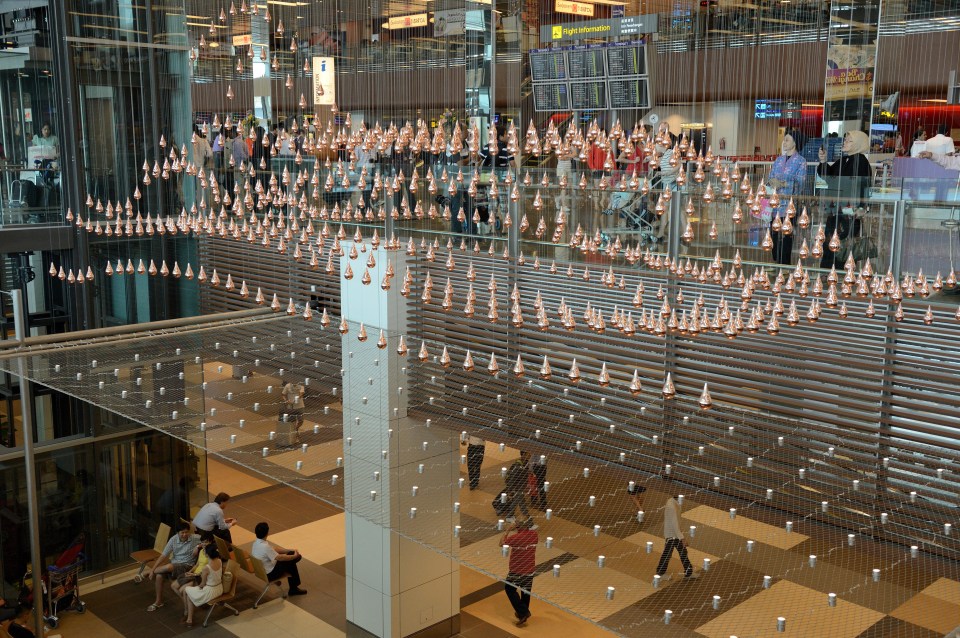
61, 584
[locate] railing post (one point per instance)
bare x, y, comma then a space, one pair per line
26, 413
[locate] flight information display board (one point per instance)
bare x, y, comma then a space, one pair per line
591, 77
585, 63
629, 93
588, 95
548, 65
551, 96
626, 60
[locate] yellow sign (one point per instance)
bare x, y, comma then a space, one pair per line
324, 81
574, 8
407, 22
243, 40
557, 32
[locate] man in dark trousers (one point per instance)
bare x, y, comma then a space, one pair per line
516, 487
674, 540
277, 561
522, 541
475, 450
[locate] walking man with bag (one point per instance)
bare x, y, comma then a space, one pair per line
673, 536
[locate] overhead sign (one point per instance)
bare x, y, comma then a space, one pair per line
408, 22
449, 22
574, 8
633, 25
324, 81
243, 40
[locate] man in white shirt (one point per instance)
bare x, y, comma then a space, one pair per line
210, 518
177, 558
950, 162
673, 536
941, 143
277, 561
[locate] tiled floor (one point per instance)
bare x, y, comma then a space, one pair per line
909, 601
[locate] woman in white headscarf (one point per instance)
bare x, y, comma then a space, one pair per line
853, 163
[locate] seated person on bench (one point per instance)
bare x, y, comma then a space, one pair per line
178, 557
277, 561
192, 577
210, 518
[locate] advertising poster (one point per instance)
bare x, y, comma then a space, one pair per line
449, 22
324, 81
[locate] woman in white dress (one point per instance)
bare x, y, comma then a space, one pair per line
210, 587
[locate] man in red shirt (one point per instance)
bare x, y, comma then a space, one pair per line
522, 541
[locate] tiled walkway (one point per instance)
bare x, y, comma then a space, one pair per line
912, 602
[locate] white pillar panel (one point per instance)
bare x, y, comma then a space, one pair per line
402, 572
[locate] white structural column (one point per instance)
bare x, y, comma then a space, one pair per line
402, 571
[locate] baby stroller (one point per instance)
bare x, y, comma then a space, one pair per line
632, 214
60, 584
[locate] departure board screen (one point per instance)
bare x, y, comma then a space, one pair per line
585, 63
629, 93
588, 95
547, 65
551, 96
591, 77
626, 60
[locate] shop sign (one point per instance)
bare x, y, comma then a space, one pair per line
574, 8
408, 22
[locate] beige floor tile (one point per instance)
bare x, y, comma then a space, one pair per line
493, 456
486, 555
241, 535
227, 477
96, 583
472, 580
319, 542
317, 458
806, 611
743, 526
930, 612
944, 589
582, 586
278, 619
218, 439
547, 620
84, 625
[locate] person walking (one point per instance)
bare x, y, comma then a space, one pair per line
538, 477
522, 540
475, 451
673, 536
292, 409
517, 486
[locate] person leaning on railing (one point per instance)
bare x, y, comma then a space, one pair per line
950, 161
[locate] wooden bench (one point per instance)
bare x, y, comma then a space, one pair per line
228, 593
146, 557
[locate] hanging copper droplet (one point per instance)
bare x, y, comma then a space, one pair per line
706, 401
668, 391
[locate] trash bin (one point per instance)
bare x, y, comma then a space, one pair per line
287, 427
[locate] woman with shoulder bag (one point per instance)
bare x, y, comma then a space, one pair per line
855, 167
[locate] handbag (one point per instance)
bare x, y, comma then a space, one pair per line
188, 579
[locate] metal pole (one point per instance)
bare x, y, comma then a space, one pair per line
26, 413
